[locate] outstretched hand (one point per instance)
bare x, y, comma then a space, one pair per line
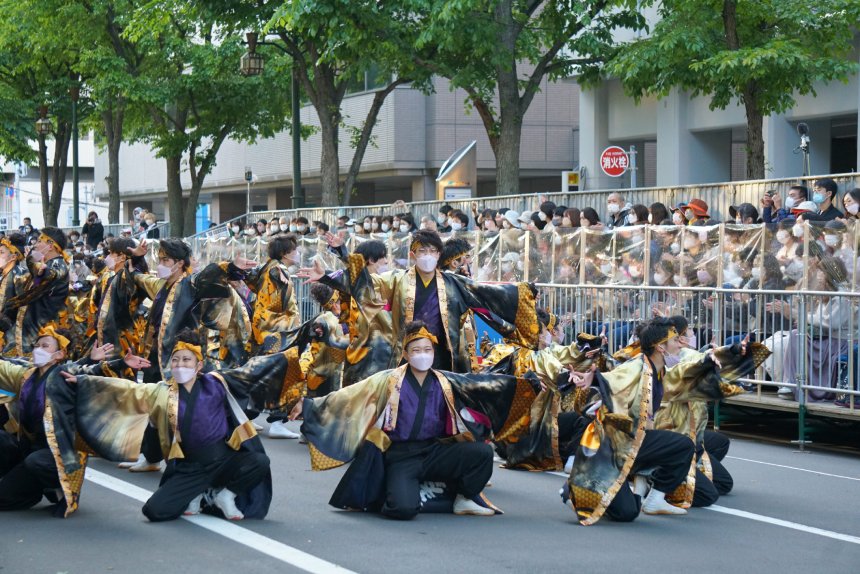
71, 379
244, 264
333, 240
101, 353
140, 250
135, 362
312, 274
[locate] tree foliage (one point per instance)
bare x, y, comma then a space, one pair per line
762, 53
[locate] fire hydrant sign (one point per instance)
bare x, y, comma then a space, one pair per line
614, 161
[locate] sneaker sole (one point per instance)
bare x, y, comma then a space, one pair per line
473, 513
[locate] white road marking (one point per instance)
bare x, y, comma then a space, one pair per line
769, 519
785, 524
230, 530
794, 468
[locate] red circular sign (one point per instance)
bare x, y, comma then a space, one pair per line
614, 161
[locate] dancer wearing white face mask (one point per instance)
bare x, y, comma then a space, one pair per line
215, 457
417, 424
441, 300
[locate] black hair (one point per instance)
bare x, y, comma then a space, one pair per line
446, 209
559, 211
653, 332
17, 239
680, 323
543, 317
461, 217
427, 238
659, 213
302, 219
281, 245
97, 265
804, 191
407, 217
190, 336
322, 226
454, 247
122, 245
548, 207
590, 215
827, 184
57, 235
176, 249
641, 213
321, 293
537, 221
372, 250
263, 221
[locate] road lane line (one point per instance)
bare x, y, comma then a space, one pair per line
785, 523
768, 519
230, 530
794, 468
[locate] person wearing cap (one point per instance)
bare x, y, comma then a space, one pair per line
441, 300
617, 209
524, 219
511, 267
772, 205
744, 214
824, 195
411, 424
38, 459
41, 295
696, 212
511, 220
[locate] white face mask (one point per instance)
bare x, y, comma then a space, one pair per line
422, 226
421, 362
690, 215
36, 255
426, 263
300, 228
235, 229
441, 219
831, 240
756, 273
294, 228
41, 357
634, 271
606, 268
164, 271
541, 215
613, 208
797, 230
385, 227
183, 375
853, 209
250, 232
273, 230
675, 248
284, 227
677, 218
680, 281
782, 236
456, 226
374, 226
366, 226
789, 202
545, 339
110, 262
690, 242
632, 219
671, 360
660, 278
383, 267
404, 227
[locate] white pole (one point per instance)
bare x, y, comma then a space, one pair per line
632, 167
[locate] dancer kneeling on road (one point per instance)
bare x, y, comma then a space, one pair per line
215, 458
412, 424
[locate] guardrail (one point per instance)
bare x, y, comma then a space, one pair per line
116, 229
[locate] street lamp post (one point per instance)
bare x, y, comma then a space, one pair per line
75, 93
252, 64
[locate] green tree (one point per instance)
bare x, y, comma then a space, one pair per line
759, 52
192, 98
38, 68
501, 51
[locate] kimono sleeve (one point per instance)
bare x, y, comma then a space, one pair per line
11, 379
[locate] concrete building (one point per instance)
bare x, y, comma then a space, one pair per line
415, 134
22, 195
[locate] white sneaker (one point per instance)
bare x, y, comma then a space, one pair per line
279, 430
143, 465
568, 466
257, 427
655, 503
785, 392
226, 501
194, 506
128, 464
463, 506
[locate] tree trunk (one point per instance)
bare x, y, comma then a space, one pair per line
755, 137
175, 202
364, 139
510, 118
113, 125
329, 161
62, 139
508, 157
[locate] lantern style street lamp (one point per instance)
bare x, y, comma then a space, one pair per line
251, 63
44, 127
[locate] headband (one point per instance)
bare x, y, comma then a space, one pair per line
50, 330
47, 238
334, 297
553, 321
422, 334
15, 251
454, 256
671, 335
195, 349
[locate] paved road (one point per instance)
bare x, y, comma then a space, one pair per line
780, 518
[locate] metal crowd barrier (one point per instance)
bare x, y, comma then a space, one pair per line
719, 196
